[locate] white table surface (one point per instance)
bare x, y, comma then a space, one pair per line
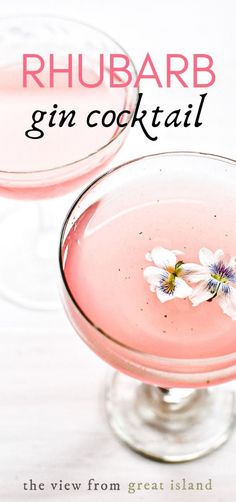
52, 420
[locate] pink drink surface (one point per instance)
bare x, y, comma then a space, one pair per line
179, 206
59, 146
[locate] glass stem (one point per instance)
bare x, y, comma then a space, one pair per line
45, 216
168, 401
47, 235
175, 396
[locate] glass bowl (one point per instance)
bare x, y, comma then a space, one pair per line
172, 353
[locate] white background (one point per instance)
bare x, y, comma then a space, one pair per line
52, 420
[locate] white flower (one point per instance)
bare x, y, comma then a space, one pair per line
165, 278
217, 279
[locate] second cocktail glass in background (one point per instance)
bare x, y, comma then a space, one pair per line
63, 159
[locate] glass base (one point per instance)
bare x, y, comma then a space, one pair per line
169, 425
28, 257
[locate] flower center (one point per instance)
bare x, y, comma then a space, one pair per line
222, 273
219, 278
167, 284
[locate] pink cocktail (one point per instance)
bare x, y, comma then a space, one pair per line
176, 201
67, 155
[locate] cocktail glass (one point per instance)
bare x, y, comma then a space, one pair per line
65, 157
164, 401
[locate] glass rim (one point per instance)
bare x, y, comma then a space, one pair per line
135, 90
163, 359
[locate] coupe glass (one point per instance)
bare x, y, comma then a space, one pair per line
65, 157
164, 401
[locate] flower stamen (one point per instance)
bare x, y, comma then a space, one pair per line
167, 284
